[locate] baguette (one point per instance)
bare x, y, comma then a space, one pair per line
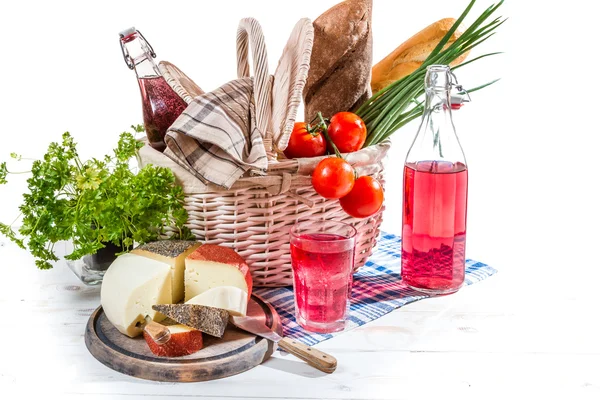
342, 56
410, 55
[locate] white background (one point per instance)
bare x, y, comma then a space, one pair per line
531, 140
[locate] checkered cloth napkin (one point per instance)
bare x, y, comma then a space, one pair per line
216, 137
377, 290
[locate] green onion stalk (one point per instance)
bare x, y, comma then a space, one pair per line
398, 104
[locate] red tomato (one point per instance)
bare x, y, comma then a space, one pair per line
333, 178
305, 144
365, 199
348, 131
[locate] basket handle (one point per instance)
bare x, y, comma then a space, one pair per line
250, 33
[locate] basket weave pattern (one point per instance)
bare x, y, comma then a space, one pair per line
256, 224
255, 215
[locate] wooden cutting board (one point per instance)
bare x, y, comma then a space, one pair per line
237, 351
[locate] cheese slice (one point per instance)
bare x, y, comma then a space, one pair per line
230, 298
184, 341
130, 287
179, 328
173, 253
211, 266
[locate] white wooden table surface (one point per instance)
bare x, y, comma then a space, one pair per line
492, 339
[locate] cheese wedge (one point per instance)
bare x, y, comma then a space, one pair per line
210, 320
130, 287
211, 266
230, 298
173, 253
166, 272
184, 341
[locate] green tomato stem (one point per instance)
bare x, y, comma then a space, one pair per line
323, 126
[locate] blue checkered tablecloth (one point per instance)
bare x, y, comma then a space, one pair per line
377, 290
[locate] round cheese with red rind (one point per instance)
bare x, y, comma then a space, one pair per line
184, 341
211, 266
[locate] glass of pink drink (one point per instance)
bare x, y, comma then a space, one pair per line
322, 261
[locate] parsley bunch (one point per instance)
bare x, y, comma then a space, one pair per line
94, 202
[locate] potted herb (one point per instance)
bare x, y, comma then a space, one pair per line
102, 205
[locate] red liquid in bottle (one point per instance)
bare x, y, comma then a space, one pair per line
161, 107
434, 226
322, 280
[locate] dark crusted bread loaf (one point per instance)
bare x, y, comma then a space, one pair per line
342, 57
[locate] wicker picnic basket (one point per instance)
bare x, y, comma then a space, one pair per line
255, 215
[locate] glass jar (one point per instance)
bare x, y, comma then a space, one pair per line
90, 269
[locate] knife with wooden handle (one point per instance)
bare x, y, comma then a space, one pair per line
315, 358
214, 320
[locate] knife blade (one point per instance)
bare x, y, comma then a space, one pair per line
315, 358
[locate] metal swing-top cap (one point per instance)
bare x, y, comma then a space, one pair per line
441, 77
128, 35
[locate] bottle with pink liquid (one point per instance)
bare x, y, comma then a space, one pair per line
435, 195
160, 104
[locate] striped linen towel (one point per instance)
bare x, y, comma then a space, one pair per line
216, 137
377, 290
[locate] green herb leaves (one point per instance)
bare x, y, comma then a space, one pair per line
3, 173
95, 202
393, 107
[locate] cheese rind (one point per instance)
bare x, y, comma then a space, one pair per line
201, 276
184, 341
211, 266
205, 319
130, 287
173, 253
230, 298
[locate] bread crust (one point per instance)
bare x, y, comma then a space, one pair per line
340, 65
409, 56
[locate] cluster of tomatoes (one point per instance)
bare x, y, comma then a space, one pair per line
334, 177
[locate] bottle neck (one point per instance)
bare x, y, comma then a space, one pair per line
437, 89
437, 112
436, 98
438, 118
436, 139
141, 58
147, 69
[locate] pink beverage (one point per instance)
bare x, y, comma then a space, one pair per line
435, 194
434, 226
322, 263
161, 106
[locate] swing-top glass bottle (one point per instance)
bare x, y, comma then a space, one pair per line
160, 104
435, 195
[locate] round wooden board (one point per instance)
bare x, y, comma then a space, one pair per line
237, 351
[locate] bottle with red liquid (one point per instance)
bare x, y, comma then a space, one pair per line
160, 104
435, 195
